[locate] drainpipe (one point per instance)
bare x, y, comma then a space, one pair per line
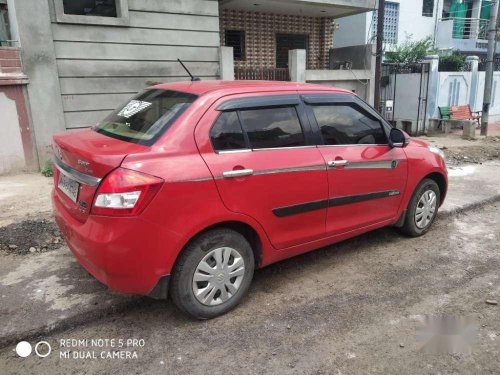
379, 54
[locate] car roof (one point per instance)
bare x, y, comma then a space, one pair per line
234, 87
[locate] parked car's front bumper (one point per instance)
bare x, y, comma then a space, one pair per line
126, 254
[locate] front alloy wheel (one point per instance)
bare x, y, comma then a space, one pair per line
426, 207
422, 209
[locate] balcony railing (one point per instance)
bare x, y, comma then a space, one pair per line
468, 28
267, 74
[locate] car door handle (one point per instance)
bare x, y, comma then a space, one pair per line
337, 163
237, 173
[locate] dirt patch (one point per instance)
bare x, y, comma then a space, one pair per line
30, 236
486, 150
16, 190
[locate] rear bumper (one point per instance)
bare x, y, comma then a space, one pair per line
129, 255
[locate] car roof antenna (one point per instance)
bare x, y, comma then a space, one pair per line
193, 78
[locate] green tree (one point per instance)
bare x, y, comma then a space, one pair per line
410, 51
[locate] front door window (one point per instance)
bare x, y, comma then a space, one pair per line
366, 177
343, 124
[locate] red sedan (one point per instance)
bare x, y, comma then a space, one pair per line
188, 187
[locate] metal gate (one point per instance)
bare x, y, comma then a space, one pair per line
404, 90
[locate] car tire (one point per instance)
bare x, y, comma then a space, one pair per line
226, 253
421, 212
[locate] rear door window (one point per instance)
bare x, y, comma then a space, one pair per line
344, 124
227, 134
145, 117
274, 127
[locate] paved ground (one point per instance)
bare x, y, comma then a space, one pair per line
351, 308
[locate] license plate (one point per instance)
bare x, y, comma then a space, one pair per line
69, 187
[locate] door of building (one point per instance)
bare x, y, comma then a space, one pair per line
286, 42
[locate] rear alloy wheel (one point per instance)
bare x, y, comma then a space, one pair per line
212, 274
422, 209
218, 276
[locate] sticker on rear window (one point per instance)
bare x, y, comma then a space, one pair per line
133, 107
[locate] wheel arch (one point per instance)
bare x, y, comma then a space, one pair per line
442, 183
437, 176
245, 229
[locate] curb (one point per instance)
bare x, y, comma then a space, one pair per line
87, 317
469, 206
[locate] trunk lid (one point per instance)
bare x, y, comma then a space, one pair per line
85, 157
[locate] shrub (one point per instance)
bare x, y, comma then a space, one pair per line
410, 52
452, 63
47, 169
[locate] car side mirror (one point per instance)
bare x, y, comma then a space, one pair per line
397, 138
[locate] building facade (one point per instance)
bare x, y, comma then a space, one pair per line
268, 37
464, 27
451, 24
83, 58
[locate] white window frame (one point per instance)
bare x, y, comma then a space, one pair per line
121, 19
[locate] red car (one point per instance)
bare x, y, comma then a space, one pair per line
189, 187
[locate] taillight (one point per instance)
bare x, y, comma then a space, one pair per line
125, 193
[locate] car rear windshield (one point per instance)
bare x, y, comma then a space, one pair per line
145, 117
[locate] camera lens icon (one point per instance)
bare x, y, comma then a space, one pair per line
42, 349
23, 349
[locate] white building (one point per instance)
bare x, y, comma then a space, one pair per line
452, 25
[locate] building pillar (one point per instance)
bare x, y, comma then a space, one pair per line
433, 94
474, 83
11, 14
31, 21
226, 62
476, 9
17, 151
297, 65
